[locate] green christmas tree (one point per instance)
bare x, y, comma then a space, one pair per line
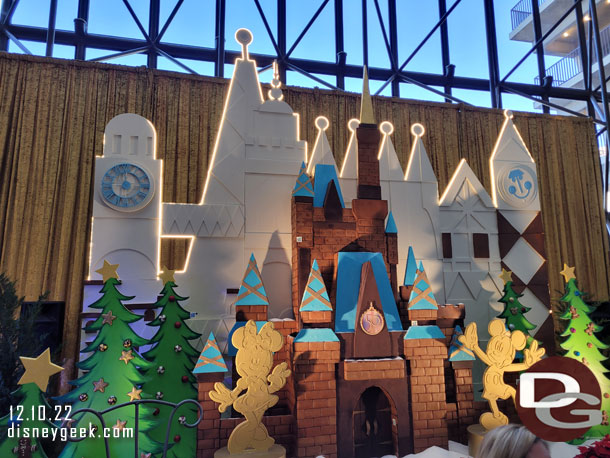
582, 344
171, 378
112, 377
514, 311
33, 412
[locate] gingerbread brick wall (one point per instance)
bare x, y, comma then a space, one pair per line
302, 229
452, 422
466, 414
208, 434
428, 403
371, 370
316, 402
368, 164
251, 312
322, 240
284, 405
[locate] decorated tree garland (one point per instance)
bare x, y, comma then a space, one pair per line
113, 377
583, 345
514, 311
170, 377
33, 412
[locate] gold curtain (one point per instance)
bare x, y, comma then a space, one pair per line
53, 114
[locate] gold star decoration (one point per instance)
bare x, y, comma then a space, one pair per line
126, 356
108, 271
108, 318
134, 394
167, 275
567, 272
38, 370
100, 385
506, 276
120, 425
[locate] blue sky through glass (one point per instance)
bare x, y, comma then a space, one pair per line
194, 24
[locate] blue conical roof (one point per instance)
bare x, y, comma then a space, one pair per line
303, 186
411, 270
422, 297
324, 175
252, 291
390, 227
457, 350
210, 359
315, 297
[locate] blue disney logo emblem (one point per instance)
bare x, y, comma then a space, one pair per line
524, 186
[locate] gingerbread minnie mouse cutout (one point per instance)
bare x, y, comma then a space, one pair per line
253, 361
499, 356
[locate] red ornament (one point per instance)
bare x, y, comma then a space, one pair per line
177, 438
607, 395
177, 324
185, 379
572, 330
523, 310
172, 298
156, 412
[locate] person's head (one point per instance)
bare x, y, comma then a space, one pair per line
512, 441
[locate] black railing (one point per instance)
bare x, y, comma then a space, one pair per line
571, 65
565, 69
521, 11
136, 428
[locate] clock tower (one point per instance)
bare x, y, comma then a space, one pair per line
126, 205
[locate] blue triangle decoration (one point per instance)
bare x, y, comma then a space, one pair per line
315, 297
303, 186
324, 175
252, 291
457, 351
210, 359
422, 297
411, 268
390, 227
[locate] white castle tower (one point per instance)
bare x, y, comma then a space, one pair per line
414, 203
521, 236
471, 258
126, 204
245, 207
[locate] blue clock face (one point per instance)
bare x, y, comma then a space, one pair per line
126, 187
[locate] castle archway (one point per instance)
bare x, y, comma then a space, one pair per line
372, 424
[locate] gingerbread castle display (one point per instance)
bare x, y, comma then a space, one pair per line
357, 265
361, 385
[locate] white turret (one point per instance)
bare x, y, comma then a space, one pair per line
348, 178
245, 207
521, 237
413, 199
126, 202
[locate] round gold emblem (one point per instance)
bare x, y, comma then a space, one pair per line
371, 321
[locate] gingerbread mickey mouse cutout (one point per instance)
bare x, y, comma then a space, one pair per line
253, 361
499, 355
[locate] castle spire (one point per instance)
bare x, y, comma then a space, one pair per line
366, 105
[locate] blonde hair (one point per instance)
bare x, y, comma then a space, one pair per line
510, 441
